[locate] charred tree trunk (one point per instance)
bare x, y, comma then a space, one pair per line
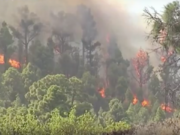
5, 59
90, 61
26, 46
20, 55
26, 53
83, 54
73, 98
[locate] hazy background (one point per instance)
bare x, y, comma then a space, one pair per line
123, 17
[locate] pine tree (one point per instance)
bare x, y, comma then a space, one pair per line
160, 115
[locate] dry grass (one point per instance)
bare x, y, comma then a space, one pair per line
167, 127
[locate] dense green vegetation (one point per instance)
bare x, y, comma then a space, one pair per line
57, 86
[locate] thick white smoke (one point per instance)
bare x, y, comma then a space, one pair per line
110, 15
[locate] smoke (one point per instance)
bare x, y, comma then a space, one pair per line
111, 16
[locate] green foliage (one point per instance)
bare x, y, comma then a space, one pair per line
21, 121
13, 84
30, 74
42, 57
168, 22
160, 114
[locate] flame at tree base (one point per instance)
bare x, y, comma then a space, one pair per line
166, 108
146, 103
12, 62
135, 100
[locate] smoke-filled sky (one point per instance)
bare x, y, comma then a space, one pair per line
123, 17
135, 9
136, 6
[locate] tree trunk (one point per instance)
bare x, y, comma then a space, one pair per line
73, 97
90, 61
90, 57
20, 55
83, 53
26, 46
26, 53
5, 59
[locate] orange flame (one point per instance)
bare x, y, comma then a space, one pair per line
1, 59
12, 62
135, 100
140, 61
163, 59
106, 56
145, 103
142, 55
102, 92
166, 108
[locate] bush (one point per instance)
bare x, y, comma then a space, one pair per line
23, 122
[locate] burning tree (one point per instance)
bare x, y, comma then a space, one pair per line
115, 65
105, 58
141, 71
12, 62
102, 92
6, 47
141, 67
165, 32
170, 79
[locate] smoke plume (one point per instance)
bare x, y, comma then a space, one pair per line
110, 15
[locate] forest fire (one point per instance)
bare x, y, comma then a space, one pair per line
164, 58
135, 100
13, 63
145, 103
140, 61
102, 92
166, 108
142, 56
105, 56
